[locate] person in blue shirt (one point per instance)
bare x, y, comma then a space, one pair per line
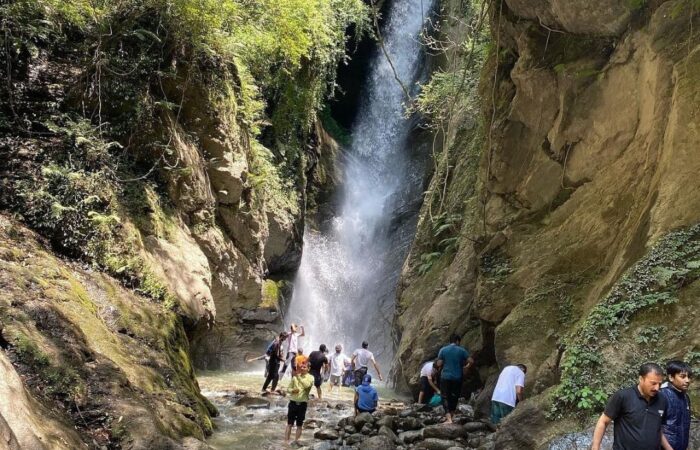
677, 425
366, 397
454, 361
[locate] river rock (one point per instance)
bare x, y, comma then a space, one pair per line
388, 432
362, 419
410, 423
367, 429
313, 423
347, 421
378, 443
253, 402
326, 434
355, 439
388, 421
445, 431
436, 444
349, 429
408, 437
466, 410
471, 427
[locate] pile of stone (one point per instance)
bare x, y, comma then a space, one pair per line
415, 427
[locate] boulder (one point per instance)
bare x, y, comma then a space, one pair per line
388, 421
253, 402
409, 437
445, 431
388, 432
471, 427
410, 423
436, 444
326, 434
355, 439
362, 419
378, 443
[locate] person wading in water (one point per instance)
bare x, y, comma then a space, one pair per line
273, 365
292, 347
360, 361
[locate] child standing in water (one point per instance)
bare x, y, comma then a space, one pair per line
299, 388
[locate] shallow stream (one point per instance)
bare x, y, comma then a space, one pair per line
261, 426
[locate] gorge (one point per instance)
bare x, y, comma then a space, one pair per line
181, 179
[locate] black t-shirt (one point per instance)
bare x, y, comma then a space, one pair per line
316, 360
637, 423
275, 352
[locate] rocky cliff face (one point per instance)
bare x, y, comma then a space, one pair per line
575, 204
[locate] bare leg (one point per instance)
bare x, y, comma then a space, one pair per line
420, 397
320, 394
297, 435
287, 434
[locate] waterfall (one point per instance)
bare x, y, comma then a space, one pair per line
345, 288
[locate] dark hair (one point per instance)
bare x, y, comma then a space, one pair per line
675, 367
455, 338
365, 344
647, 368
323, 348
523, 367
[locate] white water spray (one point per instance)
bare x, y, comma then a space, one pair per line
345, 288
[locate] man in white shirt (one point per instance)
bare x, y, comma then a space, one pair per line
427, 383
508, 392
360, 361
292, 347
338, 362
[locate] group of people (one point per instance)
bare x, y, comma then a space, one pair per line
653, 415
312, 370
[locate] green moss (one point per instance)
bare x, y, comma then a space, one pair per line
271, 294
651, 284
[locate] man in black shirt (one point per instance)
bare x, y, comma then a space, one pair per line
318, 362
638, 413
273, 364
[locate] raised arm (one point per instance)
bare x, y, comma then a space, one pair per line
303, 333
600, 428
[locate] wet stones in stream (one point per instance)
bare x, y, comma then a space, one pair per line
414, 427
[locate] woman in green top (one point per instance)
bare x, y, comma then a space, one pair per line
299, 389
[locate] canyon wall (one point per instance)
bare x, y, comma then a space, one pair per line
572, 200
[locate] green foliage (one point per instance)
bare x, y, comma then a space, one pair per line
340, 134
650, 283
444, 240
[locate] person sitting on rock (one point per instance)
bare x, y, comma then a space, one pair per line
299, 389
366, 396
428, 385
508, 392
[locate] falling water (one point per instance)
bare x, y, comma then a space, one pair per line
345, 288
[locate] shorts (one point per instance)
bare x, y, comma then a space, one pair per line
318, 379
335, 380
296, 412
359, 374
426, 388
499, 411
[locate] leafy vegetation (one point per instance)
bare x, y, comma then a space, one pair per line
131, 73
587, 377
